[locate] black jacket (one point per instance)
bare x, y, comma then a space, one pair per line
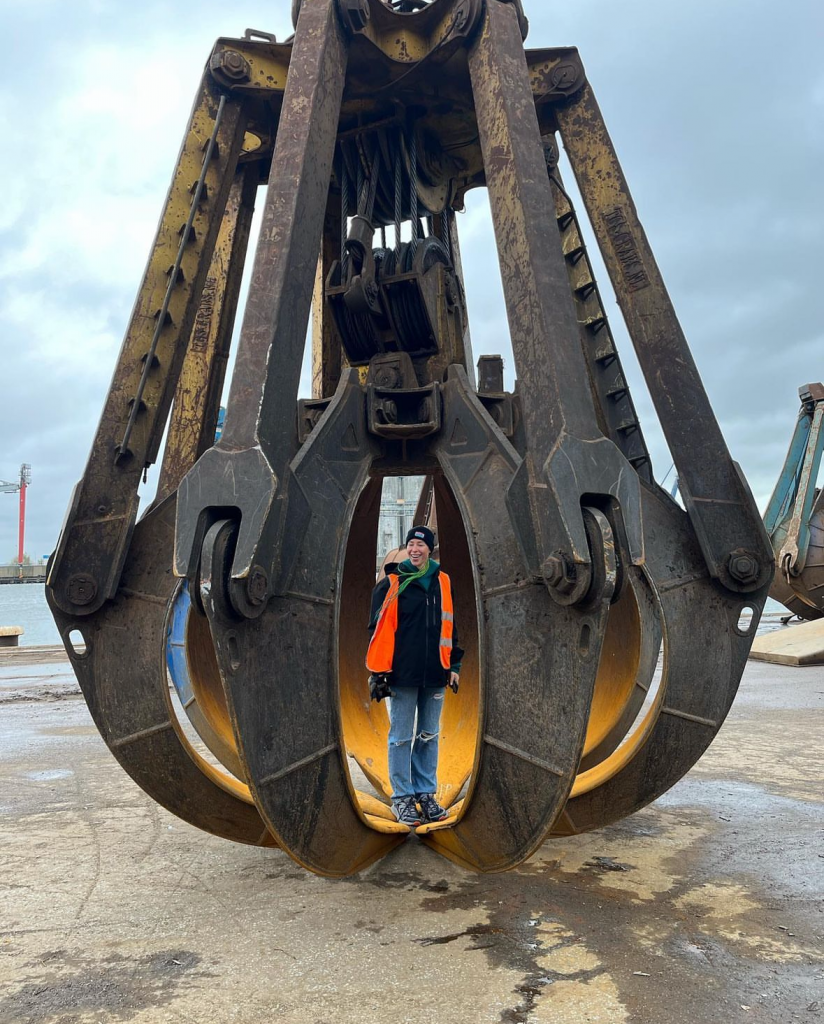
417, 660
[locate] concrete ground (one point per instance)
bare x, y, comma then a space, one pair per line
707, 906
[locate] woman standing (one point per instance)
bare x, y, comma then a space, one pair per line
413, 656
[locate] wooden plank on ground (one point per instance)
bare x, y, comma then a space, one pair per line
792, 645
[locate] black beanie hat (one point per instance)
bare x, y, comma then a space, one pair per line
422, 533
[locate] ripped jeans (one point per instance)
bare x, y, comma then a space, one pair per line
413, 753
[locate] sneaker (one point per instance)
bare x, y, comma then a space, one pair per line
405, 811
431, 810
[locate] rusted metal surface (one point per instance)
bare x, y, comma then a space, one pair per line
614, 407
538, 660
245, 469
704, 657
568, 456
571, 568
122, 673
280, 669
197, 399
719, 502
327, 358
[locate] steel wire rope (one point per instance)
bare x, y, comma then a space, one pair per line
398, 201
413, 189
446, 233
344, 215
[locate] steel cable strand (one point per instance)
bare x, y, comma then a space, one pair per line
413, 189
344, 216
398, 201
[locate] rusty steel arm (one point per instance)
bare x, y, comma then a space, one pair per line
569, 456
86, 567
614, 406
197, 400
244, 472
717, 498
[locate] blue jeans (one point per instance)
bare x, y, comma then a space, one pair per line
413, 754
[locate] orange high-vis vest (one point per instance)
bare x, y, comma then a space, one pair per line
381, 651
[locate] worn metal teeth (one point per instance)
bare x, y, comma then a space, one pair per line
619, 420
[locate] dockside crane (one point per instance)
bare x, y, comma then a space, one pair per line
19, 486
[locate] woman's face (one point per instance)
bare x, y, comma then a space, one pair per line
418, 552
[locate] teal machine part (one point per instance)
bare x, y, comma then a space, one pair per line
794, 511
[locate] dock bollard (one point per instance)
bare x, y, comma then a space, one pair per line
10, 635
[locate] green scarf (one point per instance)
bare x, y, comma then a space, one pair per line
410, 577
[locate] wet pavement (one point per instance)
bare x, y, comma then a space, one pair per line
706, 907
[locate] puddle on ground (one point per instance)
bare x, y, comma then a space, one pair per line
69, 730
62, 986
49, 776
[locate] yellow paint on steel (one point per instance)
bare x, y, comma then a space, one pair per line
634, 740
409, 40
327, 351
208, 711
197, 395
268, 64
617, 669
365, 724
167, 243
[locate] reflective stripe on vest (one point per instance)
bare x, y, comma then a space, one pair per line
381, 651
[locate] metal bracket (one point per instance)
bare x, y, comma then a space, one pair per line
310, 411
355, 14
498, 403
402, 413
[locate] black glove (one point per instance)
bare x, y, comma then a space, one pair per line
379, 686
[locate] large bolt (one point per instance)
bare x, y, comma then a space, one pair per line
564, 77
257, 585
81, 588
389, 410
555, 570
231, 65
743, 566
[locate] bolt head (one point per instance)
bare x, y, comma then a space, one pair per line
81, 589
555, 570
743, 566
564, 76
257, 585
231, 65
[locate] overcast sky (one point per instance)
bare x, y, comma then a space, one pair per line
716, 109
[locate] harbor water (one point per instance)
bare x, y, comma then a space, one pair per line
24, 604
